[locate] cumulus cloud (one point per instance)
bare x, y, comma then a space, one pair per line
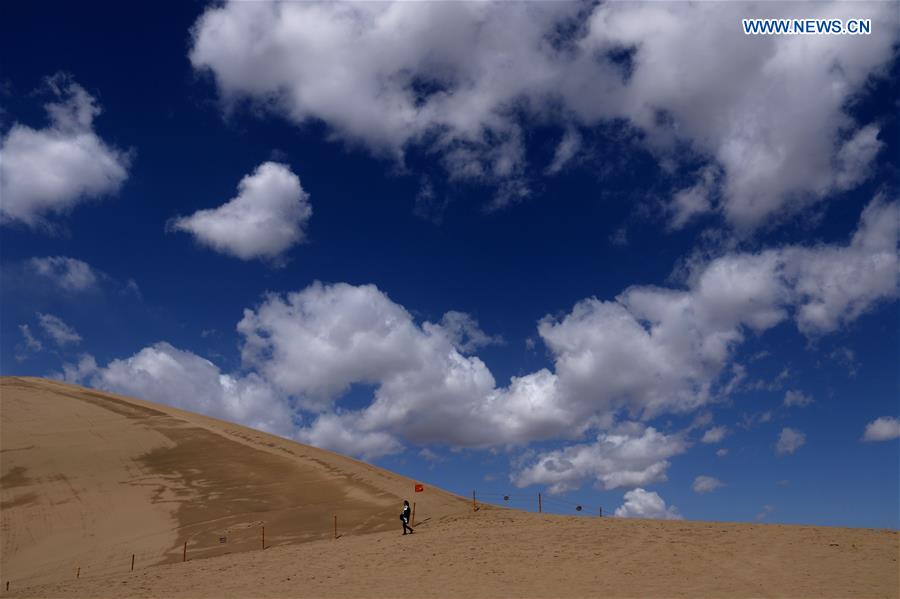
884, 428
51, 170
789, 440
722, 452
715, 434
794, 398
646, 504
463, 80
78, 373
68, 274
342, 433
706, 484
265, 219
316, 343
61, 333
167, 375
648, 352
614, 460
654, 350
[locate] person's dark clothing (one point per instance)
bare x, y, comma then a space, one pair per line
404, 518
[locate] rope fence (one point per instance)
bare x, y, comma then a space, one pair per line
118, 559
535, 502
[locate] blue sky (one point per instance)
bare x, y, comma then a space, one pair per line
542, 247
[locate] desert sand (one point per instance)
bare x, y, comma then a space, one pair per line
89, 478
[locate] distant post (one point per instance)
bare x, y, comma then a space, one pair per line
474, 506
132, 562
601, 511
263, 537
540, 509
184, 554
78, 572
335, 526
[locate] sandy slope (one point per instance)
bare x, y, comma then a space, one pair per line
502, 553
89, 478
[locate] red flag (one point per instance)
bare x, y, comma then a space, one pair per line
419, 488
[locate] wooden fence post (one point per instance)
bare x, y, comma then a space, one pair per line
601, 511
184, 555
540, 508
132, 562
414, 514
263, 537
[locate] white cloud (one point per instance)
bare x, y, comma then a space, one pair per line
465, 333
650, 351
31, 343
57, 330
765, 512
722, 452
341, 433
613, 461
78, 373
789, 441
51, 170
884, 428
430, 456
833, 285
646, 504
715, 434
461, 79
568, 147
706, 484
794, 398
655, 350
693, 201
855, 157
265, 219
164, 374
67, 273
316, 343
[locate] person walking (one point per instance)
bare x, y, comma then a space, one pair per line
404, 517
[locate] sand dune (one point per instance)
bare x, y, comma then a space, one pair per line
90, 478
